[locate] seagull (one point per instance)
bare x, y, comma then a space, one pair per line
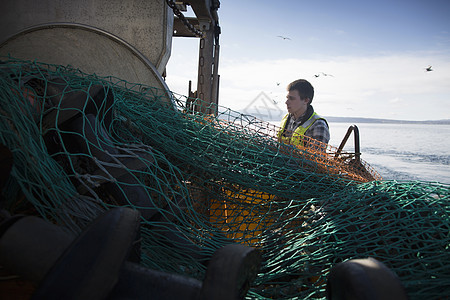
324, 74
283, 37
278, 84
429, 69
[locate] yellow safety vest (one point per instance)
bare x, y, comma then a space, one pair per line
299, 132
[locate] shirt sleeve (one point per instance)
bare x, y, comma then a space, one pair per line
319, 131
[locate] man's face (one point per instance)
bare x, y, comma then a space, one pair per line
294, 104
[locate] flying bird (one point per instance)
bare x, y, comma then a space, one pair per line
283, 37
429, 69
323, 74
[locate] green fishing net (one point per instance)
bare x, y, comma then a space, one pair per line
205, 176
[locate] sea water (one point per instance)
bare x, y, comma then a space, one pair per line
401, 151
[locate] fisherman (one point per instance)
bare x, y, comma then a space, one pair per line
301, 119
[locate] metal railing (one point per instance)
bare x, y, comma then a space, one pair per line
357, 153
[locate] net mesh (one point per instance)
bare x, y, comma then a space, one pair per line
83, 144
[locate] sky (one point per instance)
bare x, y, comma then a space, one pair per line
371, 57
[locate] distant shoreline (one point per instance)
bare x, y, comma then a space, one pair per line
386, 121
277, 119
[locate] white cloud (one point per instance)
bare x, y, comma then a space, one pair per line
396, 100
360, 86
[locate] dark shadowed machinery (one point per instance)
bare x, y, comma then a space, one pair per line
130, 40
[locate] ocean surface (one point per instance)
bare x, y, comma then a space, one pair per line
401, 151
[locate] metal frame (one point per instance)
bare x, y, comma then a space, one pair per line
355, 130
207, 21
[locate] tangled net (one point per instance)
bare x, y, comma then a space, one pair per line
83, 144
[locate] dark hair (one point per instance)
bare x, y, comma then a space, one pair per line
304, 88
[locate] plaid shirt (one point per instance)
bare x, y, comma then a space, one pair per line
318, 130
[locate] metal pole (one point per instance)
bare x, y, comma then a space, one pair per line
205, 65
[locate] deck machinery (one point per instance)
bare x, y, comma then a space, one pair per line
131, 40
